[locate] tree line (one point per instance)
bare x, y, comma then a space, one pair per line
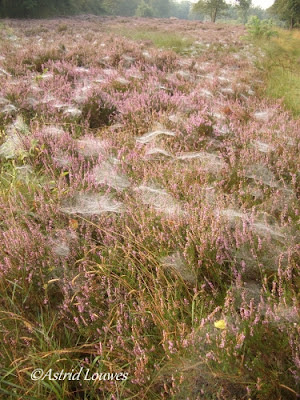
45, 8
284, 10
149, 8
144, 8
288, 11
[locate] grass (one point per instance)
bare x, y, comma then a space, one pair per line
160, 39
282, 66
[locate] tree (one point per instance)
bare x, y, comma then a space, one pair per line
288, 11
19, 8
210, 7
161, 8
259, 13
121, 7
44, 8
181, 10
244, 7
144, 10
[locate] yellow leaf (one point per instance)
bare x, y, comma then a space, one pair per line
73, 223
221, 324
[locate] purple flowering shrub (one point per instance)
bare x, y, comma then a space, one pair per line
149, 211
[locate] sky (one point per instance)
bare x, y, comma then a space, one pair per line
260, 3
263, 3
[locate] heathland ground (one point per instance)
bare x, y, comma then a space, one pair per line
149, 210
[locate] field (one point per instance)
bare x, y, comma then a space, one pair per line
149, 211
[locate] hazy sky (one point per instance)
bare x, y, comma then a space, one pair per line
261, 3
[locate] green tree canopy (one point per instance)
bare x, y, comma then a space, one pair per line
44, 8
244, 8
210, 7
288, 11
121, 7
161, 8
144, 10
181, 10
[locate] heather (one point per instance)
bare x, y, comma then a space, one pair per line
149, 211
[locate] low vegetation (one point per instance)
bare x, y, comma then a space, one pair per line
161, 39
149, 210
281, 67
